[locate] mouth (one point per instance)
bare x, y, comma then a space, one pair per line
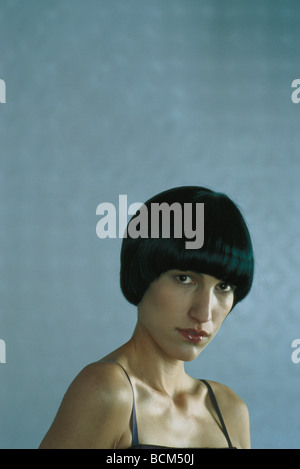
193, 336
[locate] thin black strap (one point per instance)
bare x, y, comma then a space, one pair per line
135, 435
216, 405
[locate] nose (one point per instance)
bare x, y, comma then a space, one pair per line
202, 306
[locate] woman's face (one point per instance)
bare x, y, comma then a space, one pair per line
182, 312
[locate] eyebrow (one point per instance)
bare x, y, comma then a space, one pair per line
201, 275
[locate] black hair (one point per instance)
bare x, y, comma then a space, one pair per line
226, 254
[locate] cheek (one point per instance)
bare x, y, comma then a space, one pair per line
222, 312
160, 303
160, 297
225, 304
167, 300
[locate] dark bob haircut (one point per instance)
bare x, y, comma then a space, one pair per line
226, 254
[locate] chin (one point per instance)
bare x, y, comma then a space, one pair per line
187, 355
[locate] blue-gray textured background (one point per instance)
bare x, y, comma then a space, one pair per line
133, 97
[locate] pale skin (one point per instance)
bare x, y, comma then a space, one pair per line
173, 409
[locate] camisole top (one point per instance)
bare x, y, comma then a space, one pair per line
135, 437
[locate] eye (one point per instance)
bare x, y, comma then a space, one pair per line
226, 287
185, 279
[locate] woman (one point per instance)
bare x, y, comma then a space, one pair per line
139, 396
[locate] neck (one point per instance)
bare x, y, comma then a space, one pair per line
148, 362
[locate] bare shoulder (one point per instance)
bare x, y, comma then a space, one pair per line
102, 381
227, 397
235, 413
95, 411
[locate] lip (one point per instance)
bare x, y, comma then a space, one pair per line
193, 335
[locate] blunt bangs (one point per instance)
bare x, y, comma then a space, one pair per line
226, 254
